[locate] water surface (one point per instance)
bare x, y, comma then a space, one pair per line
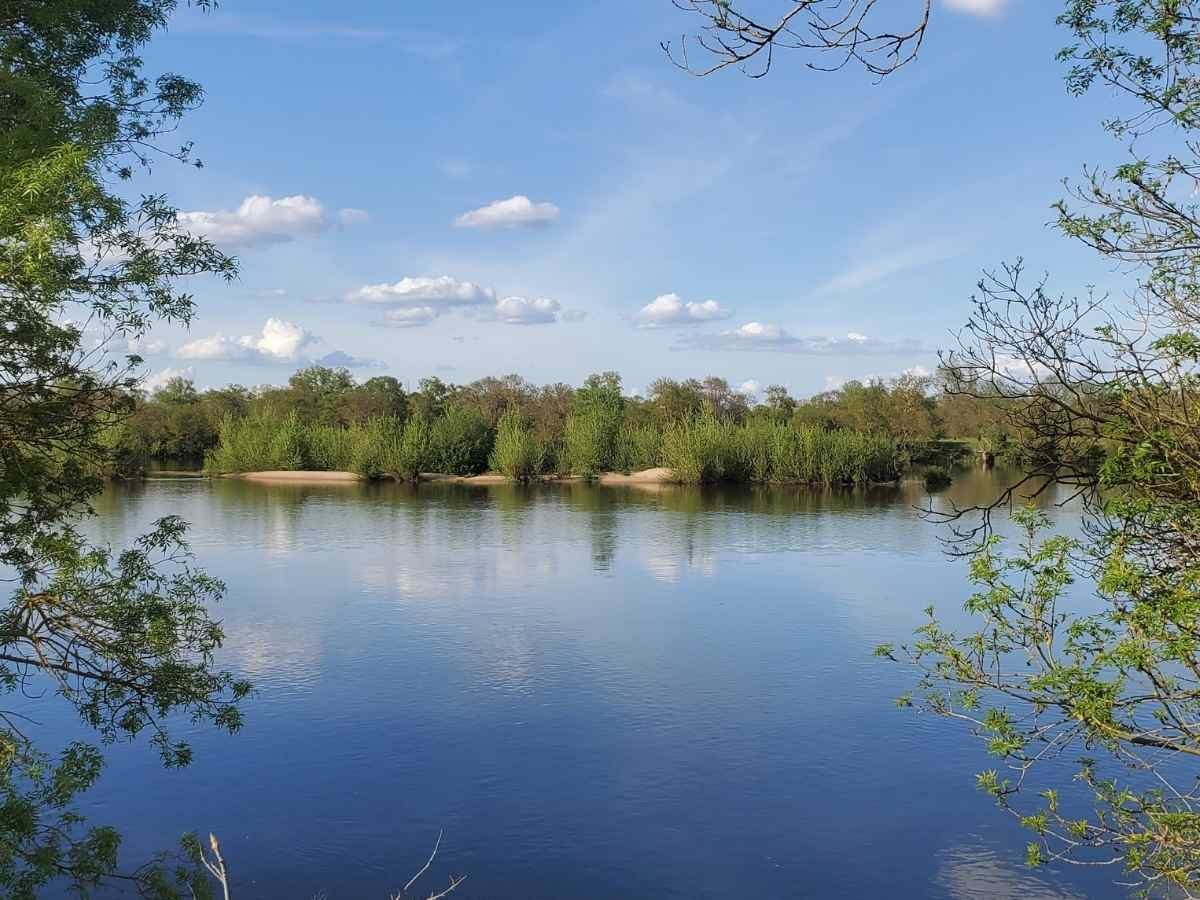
594, 692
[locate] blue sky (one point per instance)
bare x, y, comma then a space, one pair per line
531, 187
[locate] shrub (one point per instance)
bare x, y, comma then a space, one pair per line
587, 444
460, 442
637, 447
516, 453
937, 477
704, 449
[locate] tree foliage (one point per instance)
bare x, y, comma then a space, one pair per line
125, 637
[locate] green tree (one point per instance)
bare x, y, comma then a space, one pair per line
124, 637
381, 397
318, 392
590, 436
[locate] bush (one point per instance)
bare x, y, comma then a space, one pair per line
704, 449
937, 477
516, 453
587, 444
638, 447
460, 442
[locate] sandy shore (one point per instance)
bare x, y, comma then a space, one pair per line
647, 476
616, 479
489, 478
302, 477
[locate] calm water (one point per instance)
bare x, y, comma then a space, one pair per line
596, 693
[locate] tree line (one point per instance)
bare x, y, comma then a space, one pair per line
323, 416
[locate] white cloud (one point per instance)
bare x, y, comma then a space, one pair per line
1020, 370
442, 291
837, 382
278, 342
750, 389
977, 7
515, 212
771, 337
146, 345
669, 309
261, 220
410, 316
155, 381
413, 302
520, 311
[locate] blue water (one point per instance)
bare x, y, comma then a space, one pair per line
593, 693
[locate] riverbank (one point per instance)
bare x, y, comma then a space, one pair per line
648, 476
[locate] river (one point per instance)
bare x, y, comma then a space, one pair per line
592, 692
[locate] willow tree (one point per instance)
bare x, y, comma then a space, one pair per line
1103, 395
123, 635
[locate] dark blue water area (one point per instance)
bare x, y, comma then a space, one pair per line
591, 692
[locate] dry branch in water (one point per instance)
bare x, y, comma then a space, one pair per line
215, 866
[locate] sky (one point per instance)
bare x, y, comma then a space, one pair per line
464, 190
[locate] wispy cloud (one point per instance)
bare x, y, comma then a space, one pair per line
340, 359
870, 268
425, 45
769, 337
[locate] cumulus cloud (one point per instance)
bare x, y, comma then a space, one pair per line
670, 309
278, 342
978, 7
521, 311
442, 291
750, 389
837, 382
340, 359
261, 220
146, 345
515, 212
767, 336
413, 302
155, 381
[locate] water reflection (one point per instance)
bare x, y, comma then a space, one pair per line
978, 873
613, 691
